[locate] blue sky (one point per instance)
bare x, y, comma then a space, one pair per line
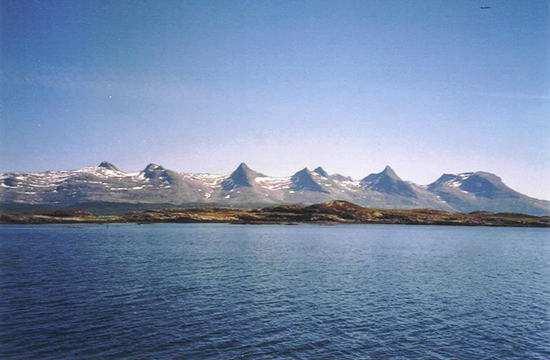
425, 86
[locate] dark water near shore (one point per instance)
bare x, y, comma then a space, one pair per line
231, 291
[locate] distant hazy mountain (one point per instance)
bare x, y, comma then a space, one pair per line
388, 182
245, 187
482, 191
243, 176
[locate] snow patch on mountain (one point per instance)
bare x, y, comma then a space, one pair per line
273, 183
470, 191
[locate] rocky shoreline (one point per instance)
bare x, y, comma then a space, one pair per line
334, 212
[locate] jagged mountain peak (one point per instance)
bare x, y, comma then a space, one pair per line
304, 180
242, 176
107, 166
158, 174
244, 166
388, 171
153, 167
155, 172
387, 181
319, 170
374, 178
245, 169
303, 171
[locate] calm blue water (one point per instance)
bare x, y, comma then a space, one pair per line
231, 291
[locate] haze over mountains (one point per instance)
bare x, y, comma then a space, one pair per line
244, 187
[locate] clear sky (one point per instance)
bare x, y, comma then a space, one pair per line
425, 86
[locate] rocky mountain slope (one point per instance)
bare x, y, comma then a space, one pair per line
245, 188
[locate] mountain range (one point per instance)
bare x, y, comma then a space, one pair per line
246, 188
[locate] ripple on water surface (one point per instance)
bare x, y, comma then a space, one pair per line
231, 291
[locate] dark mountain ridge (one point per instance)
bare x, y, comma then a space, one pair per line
387, 181
242, 176
304, 180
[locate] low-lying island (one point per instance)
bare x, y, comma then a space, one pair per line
334, 212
